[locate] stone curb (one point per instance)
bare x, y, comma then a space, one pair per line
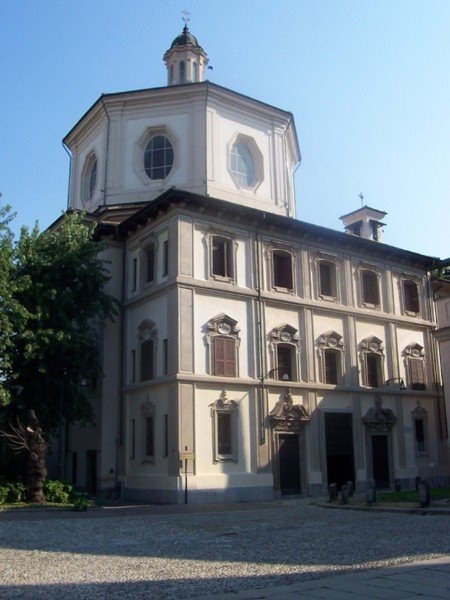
407, 510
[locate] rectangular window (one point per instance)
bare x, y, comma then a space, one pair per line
165, 357
133, 438
282, 270
420, 434
165, 266
370, 291
166, 435
133, 366
417, 373
327, 279
224, 356
133, 274
147, 360
224, 434
149, 437
222, 257
411, 293
285, 361
150, 264
373, 364
331, 367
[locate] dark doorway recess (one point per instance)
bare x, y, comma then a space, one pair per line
289, 461
380, 460
91, 471
339, 446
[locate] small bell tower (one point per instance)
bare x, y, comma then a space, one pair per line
365, 222
185, 59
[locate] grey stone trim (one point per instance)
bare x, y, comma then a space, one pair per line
185, 318
187, 421
185, 247
400, 433
358, 434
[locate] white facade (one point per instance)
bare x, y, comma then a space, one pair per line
265, 354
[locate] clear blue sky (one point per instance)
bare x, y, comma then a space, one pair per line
368, 83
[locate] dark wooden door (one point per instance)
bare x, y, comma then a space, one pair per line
380, 460
289, 463
339, 448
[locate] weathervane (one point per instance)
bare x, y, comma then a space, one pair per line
185, 16
362, 198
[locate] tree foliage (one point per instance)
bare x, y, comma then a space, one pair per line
56, 281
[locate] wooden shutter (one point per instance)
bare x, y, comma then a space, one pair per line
282, 270
411, 296
370, 288
224, 356
325, 279
417, 373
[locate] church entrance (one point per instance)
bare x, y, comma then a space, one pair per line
289, 463
380, 460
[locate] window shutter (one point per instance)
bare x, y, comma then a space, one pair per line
417, 374
331, 375
224, 356
325, 279
282, 270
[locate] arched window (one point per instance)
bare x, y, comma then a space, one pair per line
182, 72
195, 71
89, 177
93, 178
158, 157
147, 350
242, 164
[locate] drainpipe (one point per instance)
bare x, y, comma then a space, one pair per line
70, 173
105, 175
259, 312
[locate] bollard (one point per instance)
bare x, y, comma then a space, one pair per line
371, 492
350, 488
398, 485
332, 492
344, 494
424, 493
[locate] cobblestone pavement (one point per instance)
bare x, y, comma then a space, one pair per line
267, 548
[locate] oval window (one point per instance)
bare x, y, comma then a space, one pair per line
158, 157
242, 165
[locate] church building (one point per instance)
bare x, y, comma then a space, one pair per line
256, 354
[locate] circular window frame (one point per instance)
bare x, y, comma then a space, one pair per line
257, 157
139, 155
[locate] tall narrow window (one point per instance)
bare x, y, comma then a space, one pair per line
182, 72
195, 71
150, 264
373, 363
224, 414
133, 274
332, 361
224, 356
149, 436
417, 373
165, 266
133, 366
327, 279
411, 295
285, 362
166, 435
93, 178
165, 357
420, 434
222, 258
370, 289
282, 269
147, 360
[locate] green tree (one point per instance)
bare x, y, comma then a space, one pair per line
58, 281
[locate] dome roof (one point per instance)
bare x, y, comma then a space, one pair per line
186, 39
